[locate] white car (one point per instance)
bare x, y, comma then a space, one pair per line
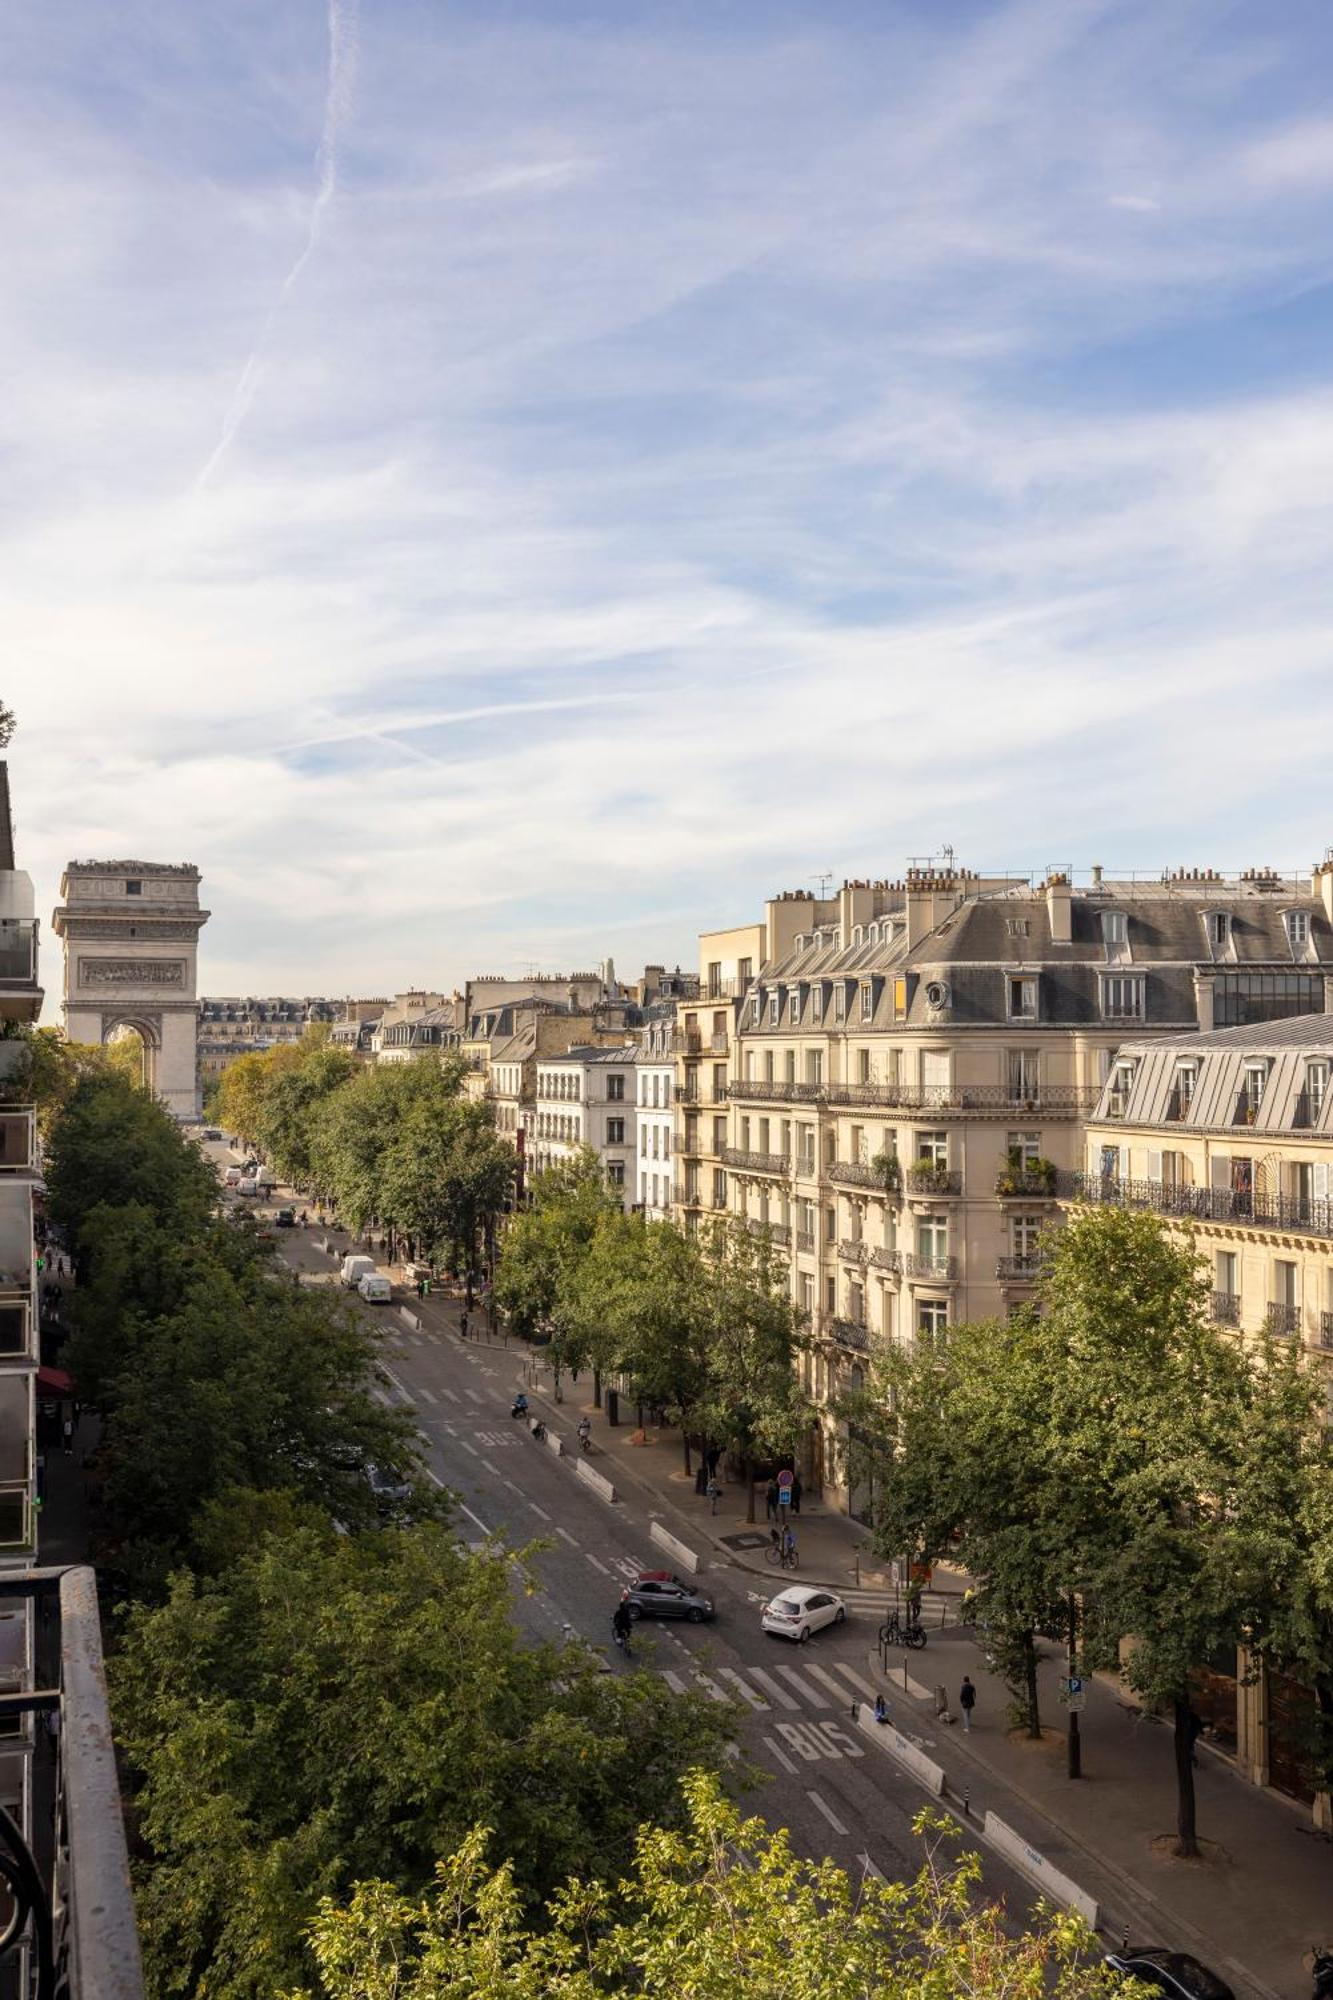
247, 1184
801, 1610
375, 1289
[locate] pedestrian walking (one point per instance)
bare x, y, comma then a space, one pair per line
796, 1494
462, 1326
714, 1493
771, 1500
967, 1701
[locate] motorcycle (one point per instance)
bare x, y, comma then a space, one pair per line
538, 1431
585, 1438
620, 1634
520, 1408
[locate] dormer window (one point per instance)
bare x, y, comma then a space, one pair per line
774, 1010
1298, 928
857, 934
816, 1003
794, 1006
1219, 929
1187, 1075
1022, 994
1115, 931
840, 1002
798, 942
1122, 998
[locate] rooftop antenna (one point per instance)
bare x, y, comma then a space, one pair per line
823, 876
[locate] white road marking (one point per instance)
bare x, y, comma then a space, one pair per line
404, 1393
674, 1681
491, 1468
473, 1517
850, 1674
826, 1680
474, 1396
596, 1565
539, 1510
746, 1694
452, 1397
869, 1867
435, 1476
568, 1537
766, 1681
793, 1679
467, 1447
430, 1398
780, 1755
709, 1686
827, 1811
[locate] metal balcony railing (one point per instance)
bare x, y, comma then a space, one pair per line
1025, 1264
1312, 1217
854, 1253
939, 1269
1282, 1319
1226, 1308
756, 1163
777, 1232
886, 1260
690, 1197
693, 1093
851, 1333
73, 1913
1066, 1100
857, 1173
1017, 1186
1247, 1108
925, 1177
717, 1041
805, 1240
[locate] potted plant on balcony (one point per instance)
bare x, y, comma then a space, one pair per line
888, 1171
929, 1177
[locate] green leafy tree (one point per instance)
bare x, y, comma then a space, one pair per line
719, 1908
753, 1401
112, 1146
445, 1176
295, 1090
332, 1709
539, 1273
653, 1303
243, 1091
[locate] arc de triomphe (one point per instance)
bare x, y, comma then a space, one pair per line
131, 936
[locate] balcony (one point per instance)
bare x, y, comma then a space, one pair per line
81, 1938
805, 1240
693, 1093
1178, 1107
929, 1177
853, 1333
1117, 1104
1309, 1110
18, 952
856, 1173
717, 1042
1292, 1214
1023, 1185
1326, 1329
1248, 1106
776, 1232
686, 1042
756, 1163
1282, 1320
1025, 1267
1225, 1308
886, 1260
690, 1197
1066, 1100
939, 1270
854, 1253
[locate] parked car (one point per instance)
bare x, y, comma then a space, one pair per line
355, 1267
211, 1132
247, 1185
285, 1219
1173, 1972
800, 1610
656, 1593
375, 1288
232, 1177
389, 1488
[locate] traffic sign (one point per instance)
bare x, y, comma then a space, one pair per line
784, 1481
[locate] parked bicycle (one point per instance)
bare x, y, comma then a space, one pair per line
781, 1550
906, 1632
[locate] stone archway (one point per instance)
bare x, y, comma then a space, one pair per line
131, 934
147, 1033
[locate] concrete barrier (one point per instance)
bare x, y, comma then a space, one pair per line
410, 1317
686, 1557
555, 1444
1057, 1888
924, 1769
600, 1486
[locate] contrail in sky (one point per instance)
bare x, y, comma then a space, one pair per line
337, 105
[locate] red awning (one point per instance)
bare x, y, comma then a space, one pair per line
54, 1382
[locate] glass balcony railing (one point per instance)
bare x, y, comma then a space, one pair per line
18, 952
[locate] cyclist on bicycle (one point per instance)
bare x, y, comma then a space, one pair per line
585, 1431
788, 1543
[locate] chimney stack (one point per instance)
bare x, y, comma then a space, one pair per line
1060, 909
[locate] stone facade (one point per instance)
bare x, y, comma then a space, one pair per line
130, 931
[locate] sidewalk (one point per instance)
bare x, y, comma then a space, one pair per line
1251, 1909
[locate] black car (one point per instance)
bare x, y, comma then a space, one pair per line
285, 1219
1173, 1972
656, 1593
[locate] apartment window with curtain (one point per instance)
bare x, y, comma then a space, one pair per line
1122, 998
863, 1066
840, 1002
1023, 1074
867, 1000
932, 1316
1022, 998
814, 1066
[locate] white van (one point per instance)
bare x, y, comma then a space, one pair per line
247, 1184
375, 1288
265, 1180
354, 1269
232, 1177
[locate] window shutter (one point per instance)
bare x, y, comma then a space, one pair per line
1219, 1171
1154, 1165
1320, 1180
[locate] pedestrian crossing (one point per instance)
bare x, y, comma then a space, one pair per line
766, 1690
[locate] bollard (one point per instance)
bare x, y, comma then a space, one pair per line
856, 1711
967, 1808
1124, 1939
904, 1677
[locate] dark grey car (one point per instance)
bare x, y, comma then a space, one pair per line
1172, 1972
656, 1593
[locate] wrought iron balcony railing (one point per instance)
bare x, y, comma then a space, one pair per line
1312, 1217
694, 1093
756, 1163
1225, 1308
925, 1177
851, 1333
805, 1239
1282, 1319
857, 1173
939, 1269
72, 1911
854, 1253
1067, 1100
1014, 1185
1026, 1265
777, 1232
1326, 1329
886, 1260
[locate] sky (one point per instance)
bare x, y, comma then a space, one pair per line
502, 484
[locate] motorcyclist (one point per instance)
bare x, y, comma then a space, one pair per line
538, 1430
585, 1431
622, 1625
520, 1408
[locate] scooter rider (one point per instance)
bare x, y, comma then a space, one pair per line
622, 1625
520, 1408
585, 1431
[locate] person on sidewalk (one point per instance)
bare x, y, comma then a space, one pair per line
771, 1500
462, 1326
796, 1494
711, 1458
967, 1701
881, 1709
714, 1492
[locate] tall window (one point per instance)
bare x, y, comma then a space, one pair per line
1023, 1070
814, 1066
615, 1089
1187, 1075
1247, 999
1316, 1088
774, 1009
1122, 998
840, 1002
933, 1147
615, 1131
867, 1000
1022, 999
932, 1316
794, 1006
932, 1238
1298, 928
863, 1065
1113, 928
744, 973
1026, 1146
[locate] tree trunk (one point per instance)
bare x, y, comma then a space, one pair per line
1187, 1845
597, 1388
1030, 1683
685, 1441
749, 1491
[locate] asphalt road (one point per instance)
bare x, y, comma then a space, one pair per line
823, 1778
